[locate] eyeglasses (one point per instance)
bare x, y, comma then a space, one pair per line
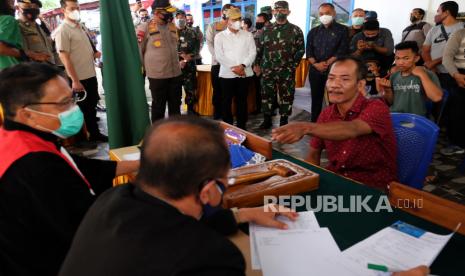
75, 98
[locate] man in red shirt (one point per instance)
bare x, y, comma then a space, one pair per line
357, 133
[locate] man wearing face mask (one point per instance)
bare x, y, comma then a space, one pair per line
374, 43
436, 40
158, 41
261, 22
44, 191
158, 226
78, 54
235, 50
212, 30
279, 53
418, 30
188, 49
142, 17
335, 38
34, 37
198, 32
357, 19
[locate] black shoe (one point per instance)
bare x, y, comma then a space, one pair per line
283, 121
98, 137
267, 124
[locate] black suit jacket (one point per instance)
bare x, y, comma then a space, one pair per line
128, 232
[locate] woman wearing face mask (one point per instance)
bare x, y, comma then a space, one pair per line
34, 37
45, 191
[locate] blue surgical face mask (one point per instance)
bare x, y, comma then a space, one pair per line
71, 122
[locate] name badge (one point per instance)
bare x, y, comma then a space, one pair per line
157, 43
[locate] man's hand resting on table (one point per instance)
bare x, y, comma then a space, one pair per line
266, 215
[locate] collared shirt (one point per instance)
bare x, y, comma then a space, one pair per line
232, 49
72, 38
326, 42
159, 47
35, 39
371, 158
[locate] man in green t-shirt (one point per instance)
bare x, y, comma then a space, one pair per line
411, 86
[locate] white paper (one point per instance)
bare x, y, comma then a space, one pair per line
132, 156
298, 253
397, 250
305, 221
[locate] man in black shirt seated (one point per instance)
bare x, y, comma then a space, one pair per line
159, 226
44, 191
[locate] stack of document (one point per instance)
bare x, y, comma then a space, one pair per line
306, 249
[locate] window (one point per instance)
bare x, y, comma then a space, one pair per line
248, 8
211, 12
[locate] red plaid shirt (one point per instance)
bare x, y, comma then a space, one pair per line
370, 159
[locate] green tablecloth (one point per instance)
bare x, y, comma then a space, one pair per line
350, 228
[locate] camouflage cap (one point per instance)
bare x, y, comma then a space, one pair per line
163, 5
265, 9
281, 5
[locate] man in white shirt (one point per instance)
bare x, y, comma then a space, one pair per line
235, 51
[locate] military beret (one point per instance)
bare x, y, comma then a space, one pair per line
281, 5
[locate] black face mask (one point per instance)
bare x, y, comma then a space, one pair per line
373, 38
31, 14
190, 24
259, 25
145, 18
167, 17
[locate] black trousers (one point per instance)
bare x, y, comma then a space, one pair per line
89, 104
258, 93
238, 88
317, 86
455, 114
165, 91
217, 99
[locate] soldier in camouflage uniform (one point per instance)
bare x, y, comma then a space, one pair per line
261, 22
280, 51
188, 48
190, 23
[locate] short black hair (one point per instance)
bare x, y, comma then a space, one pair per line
451, 6
408, 44
371, 25
360, 70
63, 2
188, 14
420, 11
23, 84
195, 152
327, 5
6, 9
248, 22
265, 16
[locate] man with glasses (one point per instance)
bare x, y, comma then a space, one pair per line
166, 224
44, 190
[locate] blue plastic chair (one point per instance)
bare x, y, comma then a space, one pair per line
416, 140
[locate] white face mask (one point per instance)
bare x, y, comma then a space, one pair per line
74, 15
326, 19
236, 25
